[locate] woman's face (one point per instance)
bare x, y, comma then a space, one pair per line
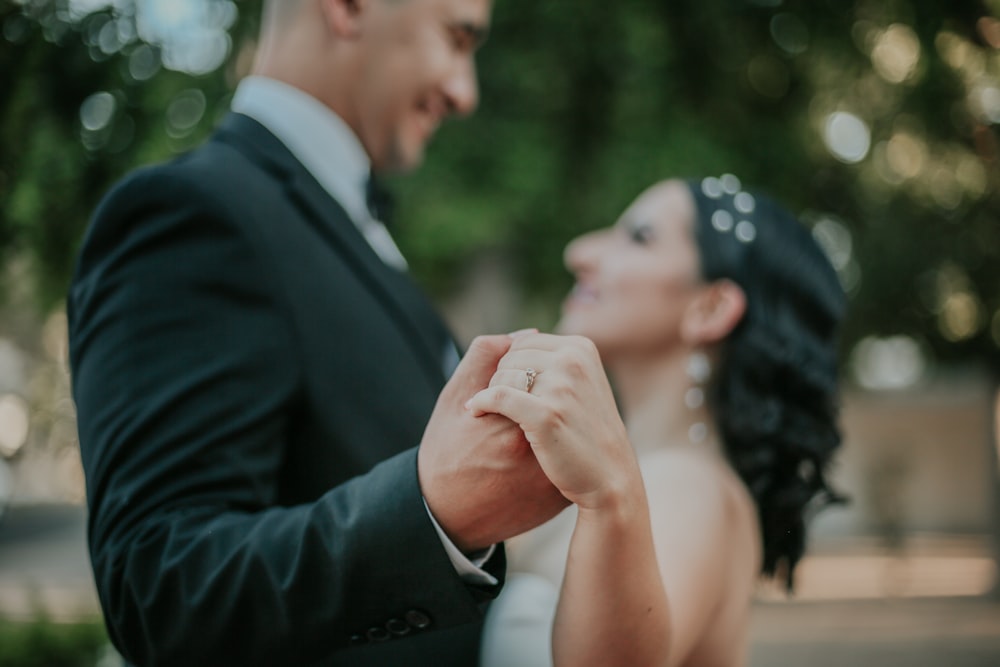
634, 280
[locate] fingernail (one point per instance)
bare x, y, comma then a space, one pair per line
522, 332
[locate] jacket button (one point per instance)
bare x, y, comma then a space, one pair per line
397, 627
377, 635
417, 619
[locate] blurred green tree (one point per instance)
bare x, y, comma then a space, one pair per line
876, 119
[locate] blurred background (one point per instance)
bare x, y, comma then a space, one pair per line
876, 120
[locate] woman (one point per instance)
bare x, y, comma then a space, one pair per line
714, 313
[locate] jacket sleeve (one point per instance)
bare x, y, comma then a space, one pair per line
184, 373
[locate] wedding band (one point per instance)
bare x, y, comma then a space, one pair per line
529, 379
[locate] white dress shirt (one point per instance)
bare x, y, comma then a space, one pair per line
328, 148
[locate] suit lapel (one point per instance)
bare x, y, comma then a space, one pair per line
404, 302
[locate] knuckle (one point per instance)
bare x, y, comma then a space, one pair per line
506, 363
501, 395
576, 367
498, 378
565, 394
484, 343
588, 346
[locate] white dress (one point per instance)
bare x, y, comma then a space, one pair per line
518, 628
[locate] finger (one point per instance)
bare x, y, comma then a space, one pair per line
478, 365
519, 362
516, 378
518, 406
522, 332
546, 351
551, 342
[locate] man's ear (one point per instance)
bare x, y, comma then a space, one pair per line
343, 17
714, 313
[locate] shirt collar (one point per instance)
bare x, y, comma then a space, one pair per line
315, 135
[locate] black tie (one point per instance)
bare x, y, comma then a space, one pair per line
379, 200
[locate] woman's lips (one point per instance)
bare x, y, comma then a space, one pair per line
581, 295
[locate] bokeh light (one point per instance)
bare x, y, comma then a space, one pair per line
961, 316
944, 188
960, 312
143, 63
14, 424
80, 9
896, 53
971, 174
906, 155
890, 363
847, 137
790, 33
102, 125
984, 100
835, 240
97, 111
989, 29
185, 112
193, 33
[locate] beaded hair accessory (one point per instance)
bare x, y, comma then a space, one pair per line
732, 204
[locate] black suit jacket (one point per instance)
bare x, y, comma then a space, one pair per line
251, 382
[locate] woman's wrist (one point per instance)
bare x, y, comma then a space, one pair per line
620, 502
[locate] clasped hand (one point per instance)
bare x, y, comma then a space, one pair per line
506, 460
568, 415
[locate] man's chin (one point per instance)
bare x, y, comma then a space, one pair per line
401, 159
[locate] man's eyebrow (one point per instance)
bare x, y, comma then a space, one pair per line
478, 34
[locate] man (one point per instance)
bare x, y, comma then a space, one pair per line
254, 370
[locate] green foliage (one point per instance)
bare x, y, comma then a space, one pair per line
43, 643
582, 106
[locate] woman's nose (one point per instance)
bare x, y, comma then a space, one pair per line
581, 252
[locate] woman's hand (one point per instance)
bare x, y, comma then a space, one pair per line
568, 415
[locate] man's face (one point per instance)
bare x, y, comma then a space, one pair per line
416, 68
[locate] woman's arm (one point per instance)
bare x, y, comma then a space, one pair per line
643, 585
613, 608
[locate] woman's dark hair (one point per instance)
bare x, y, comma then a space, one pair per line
774, 395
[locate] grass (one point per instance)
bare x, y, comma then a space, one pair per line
45, 643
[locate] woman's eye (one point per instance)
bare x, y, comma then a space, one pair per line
640, 233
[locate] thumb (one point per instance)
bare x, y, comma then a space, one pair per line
477, 366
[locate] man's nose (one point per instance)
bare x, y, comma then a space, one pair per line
462, 88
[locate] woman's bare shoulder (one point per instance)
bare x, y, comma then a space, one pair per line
691, 489
685, 469
704, 531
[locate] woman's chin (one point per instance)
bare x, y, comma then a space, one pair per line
567, 326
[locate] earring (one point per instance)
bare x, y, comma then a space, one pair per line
699, 370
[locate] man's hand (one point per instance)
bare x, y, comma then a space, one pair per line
479, 475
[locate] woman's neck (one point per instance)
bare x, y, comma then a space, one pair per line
652, 394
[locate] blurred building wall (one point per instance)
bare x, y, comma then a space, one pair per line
918, 460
